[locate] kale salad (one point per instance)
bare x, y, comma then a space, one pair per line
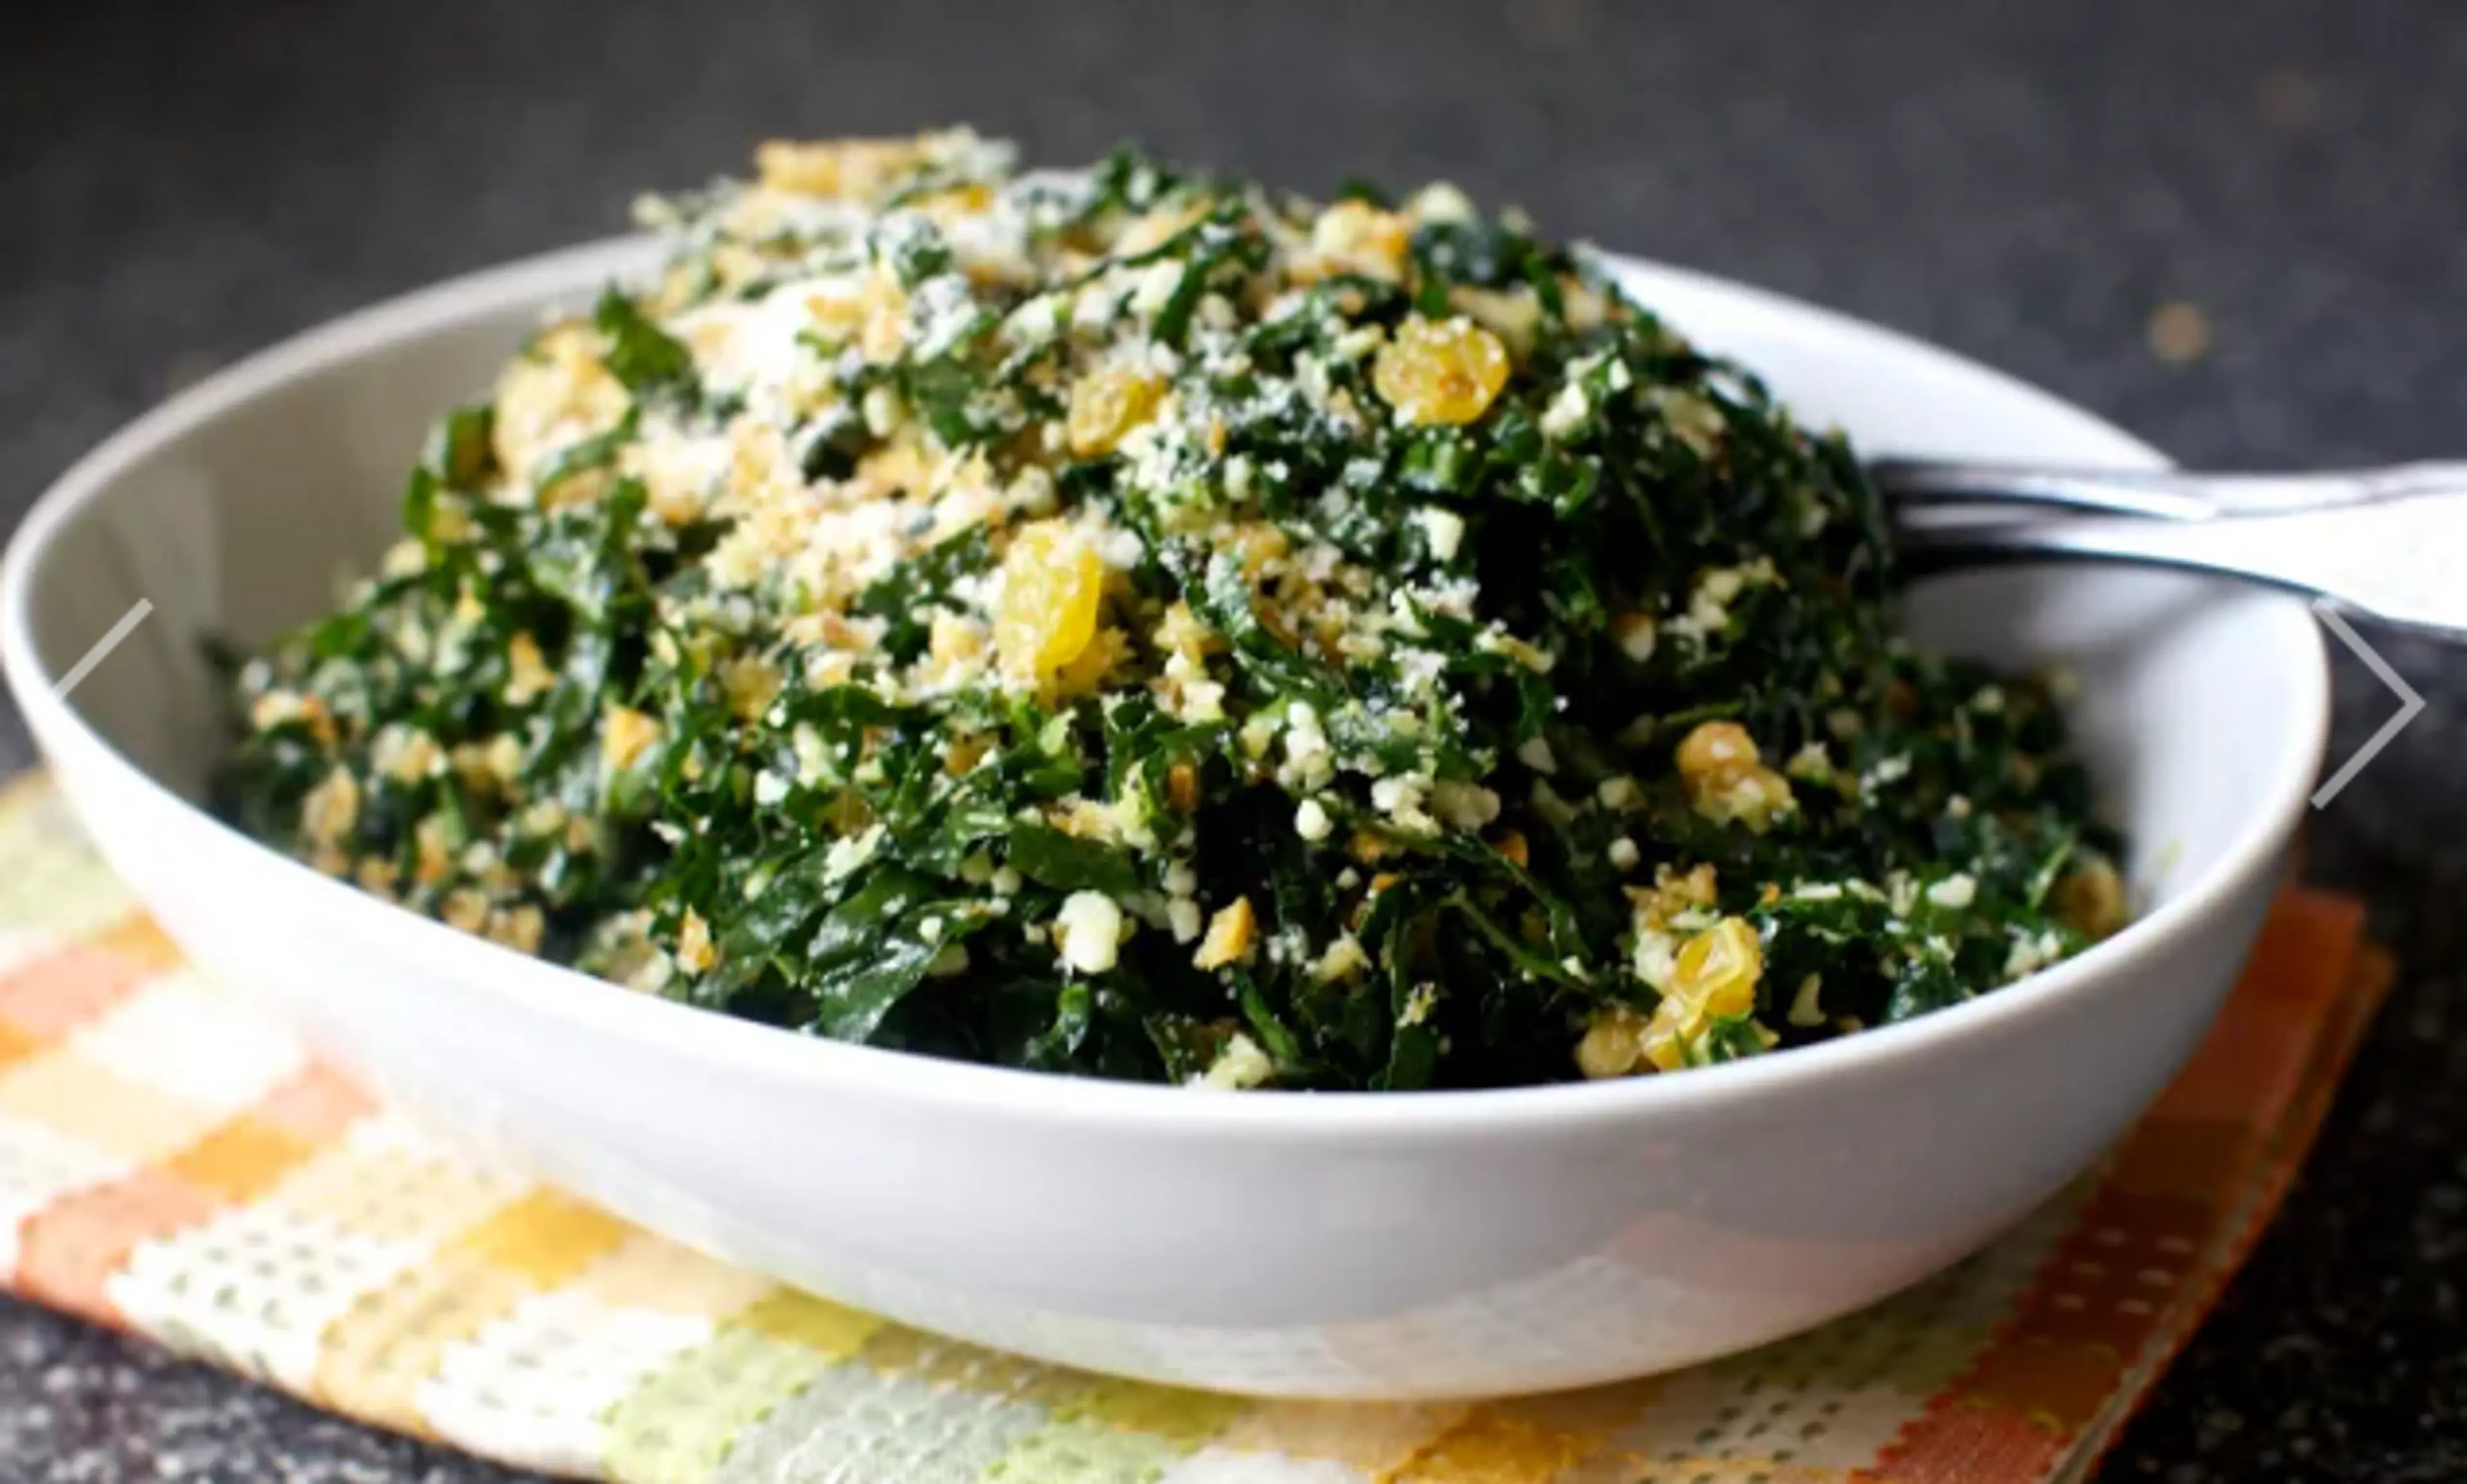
1130, 621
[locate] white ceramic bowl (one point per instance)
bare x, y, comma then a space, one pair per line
1353, 1244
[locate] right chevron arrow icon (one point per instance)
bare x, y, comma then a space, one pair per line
2408, 702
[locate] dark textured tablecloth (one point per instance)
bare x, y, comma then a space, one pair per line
2281, 184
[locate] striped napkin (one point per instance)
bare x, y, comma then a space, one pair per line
175, 1164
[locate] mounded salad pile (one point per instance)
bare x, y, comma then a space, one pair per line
1129, 621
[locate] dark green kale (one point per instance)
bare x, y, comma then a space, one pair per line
1398, 749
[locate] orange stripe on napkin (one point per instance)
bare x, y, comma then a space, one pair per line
2368, 983
68, 1253
1970, 1442
16, 1046
56, 993
2255, 1055
316, 1106
2125, 1285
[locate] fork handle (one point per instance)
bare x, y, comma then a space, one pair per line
1915, 485
2399, 558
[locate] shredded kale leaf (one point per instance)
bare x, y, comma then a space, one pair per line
1133, 623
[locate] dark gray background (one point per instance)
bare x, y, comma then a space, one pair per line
2026, 182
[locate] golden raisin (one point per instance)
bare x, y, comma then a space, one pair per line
1613, 1044
1106, 406
1053, 584
2091, 900
1182, 787
1664, 1043
1750, 793
1718, 969
1727, 779
1636, 634
1440, 371
1713, 747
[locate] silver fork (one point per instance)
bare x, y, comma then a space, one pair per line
2389, 544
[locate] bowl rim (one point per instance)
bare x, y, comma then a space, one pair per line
677, 1030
